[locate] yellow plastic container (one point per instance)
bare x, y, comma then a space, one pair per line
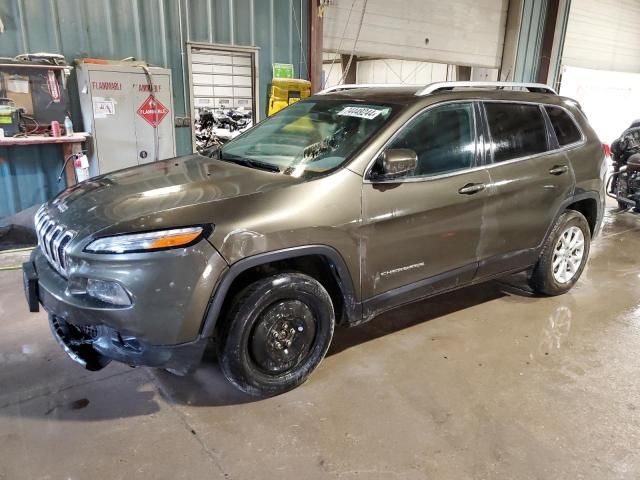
285, 91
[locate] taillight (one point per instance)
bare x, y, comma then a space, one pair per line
607, 150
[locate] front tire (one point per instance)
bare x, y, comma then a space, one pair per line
277, 331
564, 255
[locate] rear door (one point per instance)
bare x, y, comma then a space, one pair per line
421, 232
531, 177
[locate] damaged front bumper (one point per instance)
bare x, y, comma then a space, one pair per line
93, 335
95, 347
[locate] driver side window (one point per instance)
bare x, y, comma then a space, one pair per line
443, 139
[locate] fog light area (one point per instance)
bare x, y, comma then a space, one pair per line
107, 291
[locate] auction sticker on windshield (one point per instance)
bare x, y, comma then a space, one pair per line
360, 112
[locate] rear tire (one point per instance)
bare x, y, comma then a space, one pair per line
276, 333
564, 255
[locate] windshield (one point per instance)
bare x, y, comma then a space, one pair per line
309, 137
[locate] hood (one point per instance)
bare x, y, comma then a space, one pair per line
176, 192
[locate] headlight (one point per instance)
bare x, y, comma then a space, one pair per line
145, 242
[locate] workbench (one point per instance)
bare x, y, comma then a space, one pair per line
70, 144
29, 169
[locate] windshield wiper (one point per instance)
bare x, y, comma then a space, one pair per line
249, 162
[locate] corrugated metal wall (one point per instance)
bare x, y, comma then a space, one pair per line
156, 31
28, 176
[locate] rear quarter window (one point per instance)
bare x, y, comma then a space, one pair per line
517, 130
567, 132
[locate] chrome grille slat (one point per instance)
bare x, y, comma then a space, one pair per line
53, 243
64, 241
53, 238
47, 236
48, 227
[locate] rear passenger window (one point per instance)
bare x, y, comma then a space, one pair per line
517, 130
444, 139
567, 131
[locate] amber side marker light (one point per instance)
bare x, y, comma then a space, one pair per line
174, 240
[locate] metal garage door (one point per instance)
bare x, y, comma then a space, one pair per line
603, 34
457, 32
222, 78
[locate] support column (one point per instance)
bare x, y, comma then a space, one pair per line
534, 36
349, 70
547, 40
511, 37
560, 32
315, 46
463, 73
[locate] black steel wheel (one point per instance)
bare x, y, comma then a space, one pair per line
282, 336
276, 333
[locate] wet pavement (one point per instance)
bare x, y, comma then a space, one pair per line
486, 382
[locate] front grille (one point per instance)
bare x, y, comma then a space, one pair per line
52, 239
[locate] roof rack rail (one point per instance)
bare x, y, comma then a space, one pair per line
351, 86
442, 86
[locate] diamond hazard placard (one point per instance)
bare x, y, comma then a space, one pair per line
153, 111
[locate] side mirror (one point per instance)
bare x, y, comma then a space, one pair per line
398, 161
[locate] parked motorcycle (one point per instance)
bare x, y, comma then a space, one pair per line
624, 183
215, 127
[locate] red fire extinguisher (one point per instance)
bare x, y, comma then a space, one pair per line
81, 163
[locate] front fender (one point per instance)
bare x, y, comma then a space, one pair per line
353, 309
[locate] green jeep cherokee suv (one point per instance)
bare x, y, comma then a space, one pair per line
338, 208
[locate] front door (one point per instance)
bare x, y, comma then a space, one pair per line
421, 232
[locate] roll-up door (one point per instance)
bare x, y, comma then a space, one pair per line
222, 79
603, 35
457, 32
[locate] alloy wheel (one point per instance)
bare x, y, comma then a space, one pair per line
568, 254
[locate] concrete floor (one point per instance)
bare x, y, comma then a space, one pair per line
486, 382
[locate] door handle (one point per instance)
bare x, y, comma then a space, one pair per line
471, 188
559, 170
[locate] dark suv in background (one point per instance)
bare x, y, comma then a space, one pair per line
336, 209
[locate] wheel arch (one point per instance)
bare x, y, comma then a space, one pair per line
584, 202
335, 277
588, 207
